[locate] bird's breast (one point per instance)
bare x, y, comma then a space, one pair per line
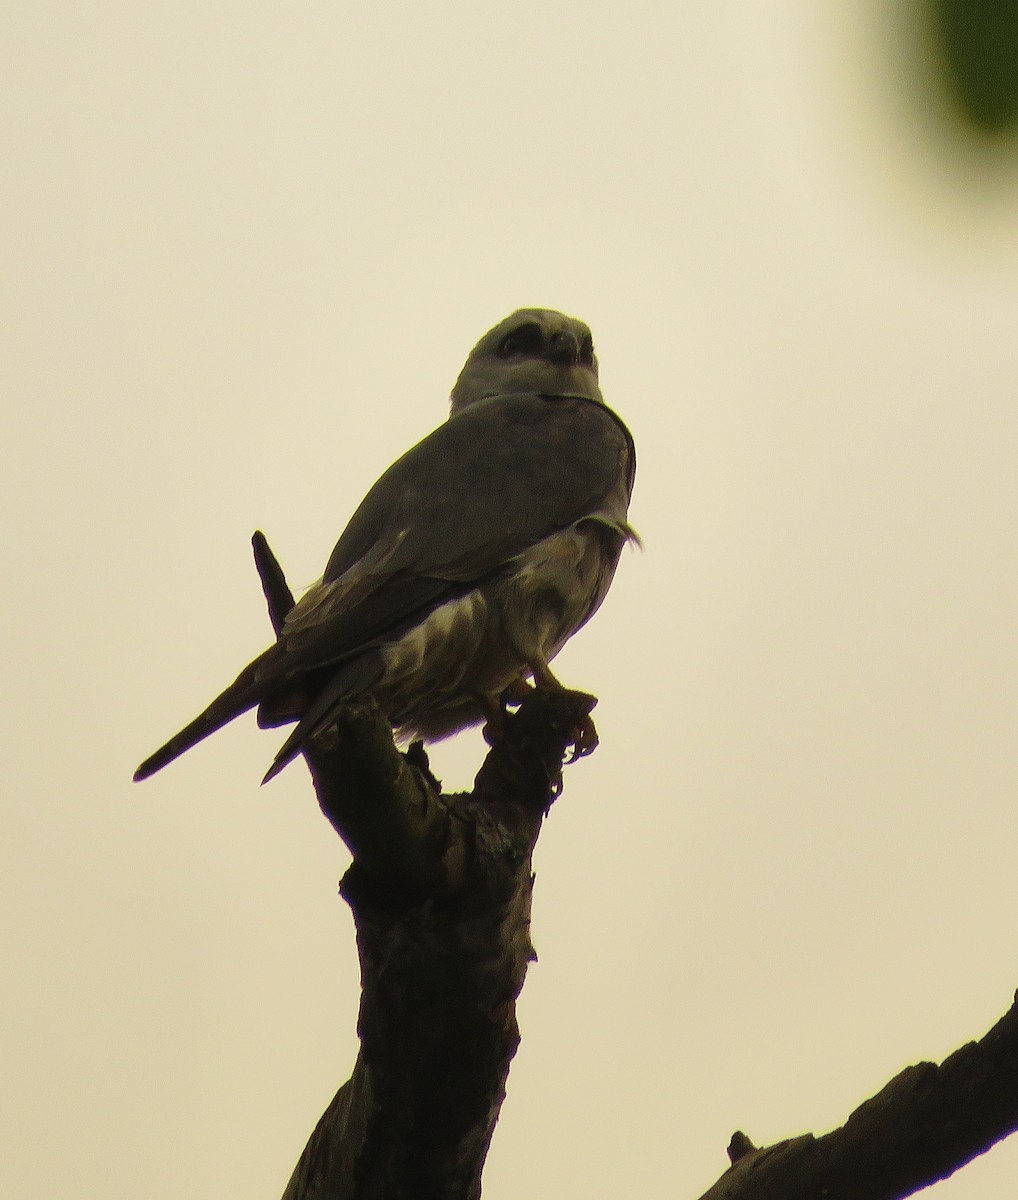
480, 643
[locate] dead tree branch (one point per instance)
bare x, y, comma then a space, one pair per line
925, 1124
440, 890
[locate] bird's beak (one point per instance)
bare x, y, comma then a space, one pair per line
564, 349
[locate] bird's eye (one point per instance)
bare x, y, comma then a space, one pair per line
587, 350
522, 341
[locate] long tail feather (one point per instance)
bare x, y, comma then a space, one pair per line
244, 693
352, 679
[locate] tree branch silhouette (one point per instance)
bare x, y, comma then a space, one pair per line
440, 890
920, 1128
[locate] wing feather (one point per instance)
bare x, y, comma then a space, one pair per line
456, 509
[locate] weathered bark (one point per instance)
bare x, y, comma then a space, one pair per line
925, 1124
440, 890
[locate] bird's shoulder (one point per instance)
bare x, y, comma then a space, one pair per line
504, 471
459, 506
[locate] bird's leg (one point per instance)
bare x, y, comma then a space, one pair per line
495, 717
543, 678
516, 693
496, 709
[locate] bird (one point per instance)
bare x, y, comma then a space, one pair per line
468, 564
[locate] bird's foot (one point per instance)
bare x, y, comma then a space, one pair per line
583, 734
585, 739
497, 714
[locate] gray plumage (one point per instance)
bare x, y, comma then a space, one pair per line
469, 563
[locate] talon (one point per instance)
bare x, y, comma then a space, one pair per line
585, 740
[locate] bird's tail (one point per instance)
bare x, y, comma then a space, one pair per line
244, 693
353, 678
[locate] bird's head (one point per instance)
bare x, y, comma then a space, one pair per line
533, 350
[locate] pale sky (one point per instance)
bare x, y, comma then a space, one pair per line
246, 251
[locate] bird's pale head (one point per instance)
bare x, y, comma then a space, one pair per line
533, 350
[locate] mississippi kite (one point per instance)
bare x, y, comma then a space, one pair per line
470, 562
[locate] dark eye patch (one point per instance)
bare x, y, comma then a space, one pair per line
522, 342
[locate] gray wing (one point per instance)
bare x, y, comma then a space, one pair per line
455, 510
451, 513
